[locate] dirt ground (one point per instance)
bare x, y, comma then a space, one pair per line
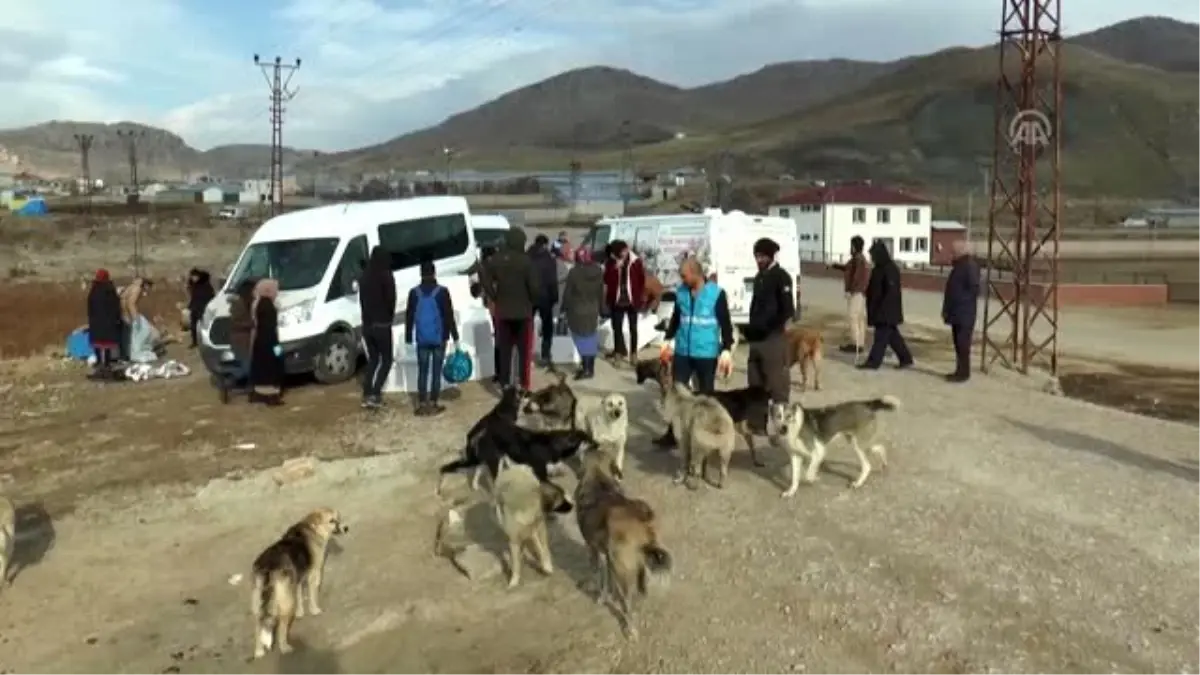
1012, 532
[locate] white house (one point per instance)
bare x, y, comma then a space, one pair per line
213, 194
827, 217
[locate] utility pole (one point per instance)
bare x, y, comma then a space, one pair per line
131, 137
85, 148
626, 166
725, 184
574, 178
274, 73
448, 155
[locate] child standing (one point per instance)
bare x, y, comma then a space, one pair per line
429, 320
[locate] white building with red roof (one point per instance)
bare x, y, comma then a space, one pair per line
827, 217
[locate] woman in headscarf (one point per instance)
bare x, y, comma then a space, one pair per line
241, 328
266, 362
582, 298
104, 320
200, 293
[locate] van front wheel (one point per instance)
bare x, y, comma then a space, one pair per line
337, 360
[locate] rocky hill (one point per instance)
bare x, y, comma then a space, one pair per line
51, 150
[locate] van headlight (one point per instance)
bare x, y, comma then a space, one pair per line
296, 314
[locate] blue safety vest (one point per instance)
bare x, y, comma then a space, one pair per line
699, 334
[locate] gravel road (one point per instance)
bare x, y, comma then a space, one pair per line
1012, 532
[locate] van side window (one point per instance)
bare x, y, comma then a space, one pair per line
349, 269
434, 238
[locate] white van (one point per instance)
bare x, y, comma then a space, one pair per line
318, 254
724, 243
490, 230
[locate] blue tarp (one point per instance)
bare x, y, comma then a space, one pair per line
33, 207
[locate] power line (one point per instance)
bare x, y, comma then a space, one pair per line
274, 73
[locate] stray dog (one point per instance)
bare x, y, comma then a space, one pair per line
554, 406
620, 534
535, 449
607, 421
522, 502
808, 431
286, 574
506, 411
704, 428
8, 537
739, 403
806, 347
648, 369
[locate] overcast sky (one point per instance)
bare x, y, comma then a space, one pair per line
374, 69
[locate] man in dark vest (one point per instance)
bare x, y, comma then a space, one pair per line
959, 305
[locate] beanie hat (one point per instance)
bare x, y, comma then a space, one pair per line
766, 247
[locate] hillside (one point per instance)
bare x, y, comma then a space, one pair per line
50, 150
1152, 41
1127, 130
584, 110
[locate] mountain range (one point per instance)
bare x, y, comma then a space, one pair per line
1129, 122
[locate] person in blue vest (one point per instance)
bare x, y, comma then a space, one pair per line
699, 336
429, 322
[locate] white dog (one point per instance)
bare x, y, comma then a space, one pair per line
606, 420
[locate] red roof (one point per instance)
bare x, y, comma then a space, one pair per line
852, 194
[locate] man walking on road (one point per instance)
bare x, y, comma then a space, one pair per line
959, 303
771, 308
855, 274
510, 280
885, 310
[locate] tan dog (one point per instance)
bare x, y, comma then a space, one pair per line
522, 502
703, 427
8, 537
806, 347
285, 574
620, 534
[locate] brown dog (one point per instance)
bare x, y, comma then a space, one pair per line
806, 347
286, 574
620, 533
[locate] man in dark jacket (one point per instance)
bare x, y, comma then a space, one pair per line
511, 283
200, 293
959, 305
885, 309
771, 308
377, 302
547, 273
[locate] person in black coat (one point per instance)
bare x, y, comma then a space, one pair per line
104, 321
377, 302
547, 272
200, 293
959, 307
885, 309
512, 287
266, 362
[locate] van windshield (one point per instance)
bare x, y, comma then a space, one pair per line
295, 264
493, 238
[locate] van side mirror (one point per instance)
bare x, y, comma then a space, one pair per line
354, 286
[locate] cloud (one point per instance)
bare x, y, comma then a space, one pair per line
373, 69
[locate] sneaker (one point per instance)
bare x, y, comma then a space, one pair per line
436, 409
848, 349
956, 378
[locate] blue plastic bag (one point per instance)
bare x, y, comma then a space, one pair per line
458, 367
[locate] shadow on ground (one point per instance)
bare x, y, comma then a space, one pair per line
1071, 440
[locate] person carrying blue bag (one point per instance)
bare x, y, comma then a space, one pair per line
429, 323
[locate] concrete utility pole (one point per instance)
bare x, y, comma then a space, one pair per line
85, 149
279, 77
724, 182
448, 155
627, 166
131, 137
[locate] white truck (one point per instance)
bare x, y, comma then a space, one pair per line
723, 242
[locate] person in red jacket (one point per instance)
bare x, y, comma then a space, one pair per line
624, 293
